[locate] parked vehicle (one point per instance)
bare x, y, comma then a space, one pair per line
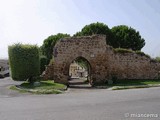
1, 76
4, 73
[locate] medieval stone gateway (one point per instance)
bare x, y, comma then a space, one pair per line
105, 63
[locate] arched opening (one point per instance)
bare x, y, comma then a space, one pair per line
79, 73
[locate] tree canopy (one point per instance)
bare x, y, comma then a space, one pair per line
49, 43
94, 28
118, 37
127, 37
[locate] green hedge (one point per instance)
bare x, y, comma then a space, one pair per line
24, 61
43, 62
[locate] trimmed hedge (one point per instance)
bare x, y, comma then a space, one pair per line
43, 62
24, 61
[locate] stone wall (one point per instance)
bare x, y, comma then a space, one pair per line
49, 72
104, 61
132, 66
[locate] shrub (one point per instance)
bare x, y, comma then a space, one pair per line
51, 61
142, 54
24, 61
157, 59
153, 60
43, 62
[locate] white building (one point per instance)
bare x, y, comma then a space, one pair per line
77, 71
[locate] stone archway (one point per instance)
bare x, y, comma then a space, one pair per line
92, 48
80, 68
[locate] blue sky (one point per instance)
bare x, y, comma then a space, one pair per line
31, 21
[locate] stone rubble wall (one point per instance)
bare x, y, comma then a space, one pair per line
132, 66
48, 74
68, 49
104, 61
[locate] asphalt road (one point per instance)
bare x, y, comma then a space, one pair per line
80, 104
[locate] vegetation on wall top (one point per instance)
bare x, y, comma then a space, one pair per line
142, 54
123, 51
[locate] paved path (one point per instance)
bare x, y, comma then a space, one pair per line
5, 83
78, 85
87, 105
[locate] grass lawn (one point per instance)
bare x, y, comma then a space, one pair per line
42, 87
130, 84
135, 82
